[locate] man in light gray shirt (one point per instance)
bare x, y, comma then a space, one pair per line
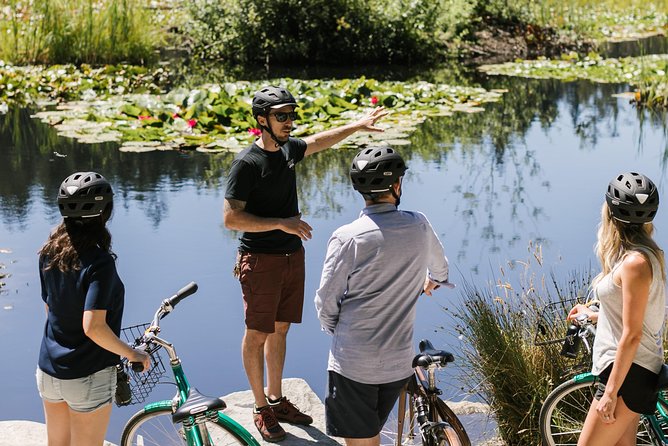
375, 269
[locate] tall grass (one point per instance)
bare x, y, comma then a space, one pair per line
77, 31
498, 325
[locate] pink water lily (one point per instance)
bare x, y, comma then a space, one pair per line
175, 115
254, 131
374, 100
192, 122
143, 117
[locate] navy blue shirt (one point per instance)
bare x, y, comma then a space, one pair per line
266, 181
66, 351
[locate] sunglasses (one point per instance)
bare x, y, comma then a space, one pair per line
283, 116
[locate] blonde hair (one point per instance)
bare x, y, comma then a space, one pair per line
616, 239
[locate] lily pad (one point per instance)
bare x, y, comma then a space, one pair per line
218, 117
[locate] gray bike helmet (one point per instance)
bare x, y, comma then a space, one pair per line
632, 198
375, 169
271, 97
84, 194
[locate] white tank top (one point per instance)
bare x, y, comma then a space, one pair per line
609, 326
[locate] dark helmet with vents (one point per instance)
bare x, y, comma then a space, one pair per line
375, 169
632, 198
271, 97
84, 194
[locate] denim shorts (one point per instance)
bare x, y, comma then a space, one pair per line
81, 394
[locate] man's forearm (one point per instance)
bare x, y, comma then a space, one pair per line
328, 138
240, 220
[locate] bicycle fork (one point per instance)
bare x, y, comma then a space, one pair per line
420, 410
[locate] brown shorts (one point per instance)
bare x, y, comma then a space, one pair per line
272, 286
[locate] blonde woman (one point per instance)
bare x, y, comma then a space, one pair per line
628, 350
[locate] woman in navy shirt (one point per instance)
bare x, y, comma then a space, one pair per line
76, 374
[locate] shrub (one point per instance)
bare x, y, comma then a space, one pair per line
326, 31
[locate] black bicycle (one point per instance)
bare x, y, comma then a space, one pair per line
421, 409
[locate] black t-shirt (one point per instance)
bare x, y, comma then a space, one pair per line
266, 181
66, 351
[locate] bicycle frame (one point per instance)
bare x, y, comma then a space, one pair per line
650, 419
420, 385
194, 436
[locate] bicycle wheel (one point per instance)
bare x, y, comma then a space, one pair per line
154, 427
564, 411
453, 434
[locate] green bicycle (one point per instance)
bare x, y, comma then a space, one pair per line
563, 413
190, 418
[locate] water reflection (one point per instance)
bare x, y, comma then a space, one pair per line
649, 45
34, 159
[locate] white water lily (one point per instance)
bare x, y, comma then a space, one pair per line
88, 95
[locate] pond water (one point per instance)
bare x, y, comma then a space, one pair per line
530, 169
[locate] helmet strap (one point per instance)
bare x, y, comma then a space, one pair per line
396, 197
267, 127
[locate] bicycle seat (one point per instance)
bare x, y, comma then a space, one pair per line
197, 404
429, 355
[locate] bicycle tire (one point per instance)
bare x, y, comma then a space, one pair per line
454, 433
152, 426
565, 409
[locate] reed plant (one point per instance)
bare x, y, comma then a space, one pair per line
500, 325
77, 31
652, 88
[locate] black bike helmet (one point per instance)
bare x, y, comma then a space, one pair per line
84, 194
632, 198
375, 169
271, 97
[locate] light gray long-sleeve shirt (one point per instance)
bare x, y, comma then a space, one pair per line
373, 274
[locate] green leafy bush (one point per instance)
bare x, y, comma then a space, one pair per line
326, 31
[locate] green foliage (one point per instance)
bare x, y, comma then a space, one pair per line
326, 31
219, 116
647, 73
24, 86
600, 20
76, 31
499, 325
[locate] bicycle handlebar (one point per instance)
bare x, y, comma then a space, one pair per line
181, 294
165, 308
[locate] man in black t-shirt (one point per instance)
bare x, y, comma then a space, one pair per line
261, 201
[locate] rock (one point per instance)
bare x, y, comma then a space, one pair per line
240, 406
25, 433
474, 416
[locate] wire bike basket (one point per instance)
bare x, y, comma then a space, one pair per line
141, 383
552, 325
